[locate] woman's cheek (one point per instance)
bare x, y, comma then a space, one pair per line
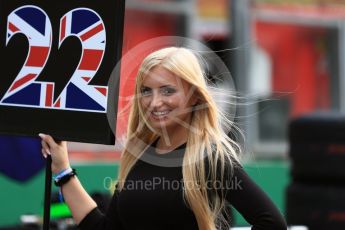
175, 100
144, 103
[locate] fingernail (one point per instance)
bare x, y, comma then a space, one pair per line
41, 135
47, 150
44, 155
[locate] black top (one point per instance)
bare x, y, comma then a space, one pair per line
152, 198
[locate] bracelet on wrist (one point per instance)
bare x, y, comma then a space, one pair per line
62, 173
64, 177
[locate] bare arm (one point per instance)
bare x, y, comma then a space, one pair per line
77, 199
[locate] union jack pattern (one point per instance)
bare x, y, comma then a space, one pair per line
78, 95
35, 25
88, 26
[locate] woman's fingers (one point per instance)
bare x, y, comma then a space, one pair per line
48, 139
45, 152
58, 152
45, 146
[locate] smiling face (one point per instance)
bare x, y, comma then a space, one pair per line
166, 99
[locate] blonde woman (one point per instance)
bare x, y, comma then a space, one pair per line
179, 169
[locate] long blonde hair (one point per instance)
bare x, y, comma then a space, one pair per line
209, 151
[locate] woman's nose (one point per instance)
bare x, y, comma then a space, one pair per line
156, 100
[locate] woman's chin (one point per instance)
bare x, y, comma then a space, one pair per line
160, 124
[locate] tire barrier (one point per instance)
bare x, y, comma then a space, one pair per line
318, 207
315, 197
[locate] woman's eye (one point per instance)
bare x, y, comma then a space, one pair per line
168, 91
145, 91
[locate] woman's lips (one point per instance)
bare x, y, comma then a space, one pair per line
159, 115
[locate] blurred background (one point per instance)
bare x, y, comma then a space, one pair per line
286, 58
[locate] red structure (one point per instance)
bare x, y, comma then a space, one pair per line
299, 64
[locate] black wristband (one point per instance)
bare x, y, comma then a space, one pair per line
63, 180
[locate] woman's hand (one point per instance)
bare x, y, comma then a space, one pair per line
58, 152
